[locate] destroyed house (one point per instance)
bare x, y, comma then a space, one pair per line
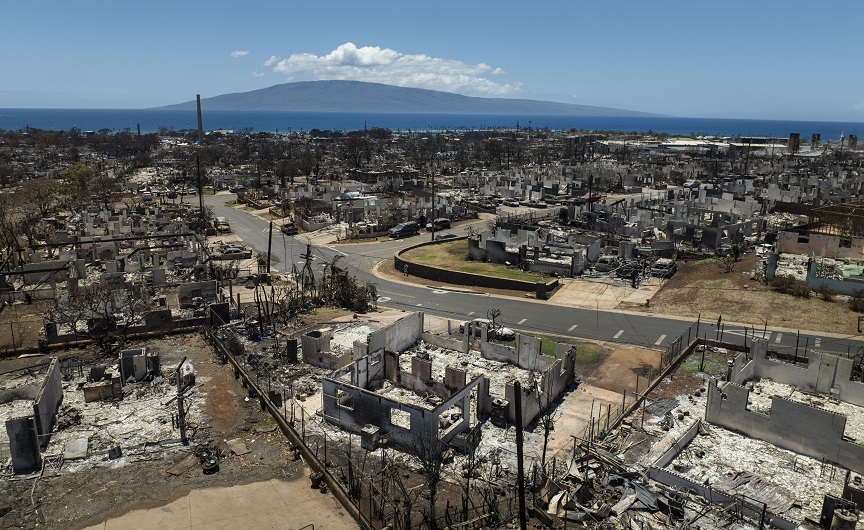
440, 390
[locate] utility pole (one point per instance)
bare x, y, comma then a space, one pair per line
269, 246
198, 164
433, 204
520, 466
181, 410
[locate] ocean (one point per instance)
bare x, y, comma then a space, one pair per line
151, 120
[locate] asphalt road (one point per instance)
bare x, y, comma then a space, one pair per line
528, 315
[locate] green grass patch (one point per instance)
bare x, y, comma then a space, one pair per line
706, 261
714, 364
453, 255
547, 346
588, 353
265, 422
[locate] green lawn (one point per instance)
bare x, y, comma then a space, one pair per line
453, 255
586, 352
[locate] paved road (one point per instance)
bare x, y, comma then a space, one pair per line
529, 315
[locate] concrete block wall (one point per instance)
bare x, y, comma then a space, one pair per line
819, 245
825, 373
420, 378
23, 444
677, 445
368, 408
187, 291
525, 354
353, 408
461, 344
794, 426
398, 336
29, 435
847, 286
367, 370
552, 383
47, 402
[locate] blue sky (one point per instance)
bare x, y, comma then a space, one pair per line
791, 60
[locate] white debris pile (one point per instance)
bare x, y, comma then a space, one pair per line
498, 373
143, 176
143, 416
344, 336
403, 395
763, 390
713, 457
794, 265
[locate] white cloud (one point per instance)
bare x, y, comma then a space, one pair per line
859, 106
256, 73
383, 65
239, 53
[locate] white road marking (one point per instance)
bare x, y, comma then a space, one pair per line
336, 250
620, 332
471, 313
660, 340
522, 321
419, 305
818, 343
778, 337
571, 328
439, 291
749, 334
384, 298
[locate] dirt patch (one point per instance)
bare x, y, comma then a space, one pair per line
139, 479
678, 384
702, 288
20, 325
620, 370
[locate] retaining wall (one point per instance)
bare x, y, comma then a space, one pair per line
464, 278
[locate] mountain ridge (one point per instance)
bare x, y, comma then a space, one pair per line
360, 96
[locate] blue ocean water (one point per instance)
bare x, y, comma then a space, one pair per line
272, 121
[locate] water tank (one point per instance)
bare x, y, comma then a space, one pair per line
844, 520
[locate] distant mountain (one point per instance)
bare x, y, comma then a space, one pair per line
357, 96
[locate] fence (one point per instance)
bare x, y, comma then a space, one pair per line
606, 417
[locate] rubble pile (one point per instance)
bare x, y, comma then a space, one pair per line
498, 373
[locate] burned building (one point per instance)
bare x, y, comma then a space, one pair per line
419, 389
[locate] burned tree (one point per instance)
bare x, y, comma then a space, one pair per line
103, 313
429, 454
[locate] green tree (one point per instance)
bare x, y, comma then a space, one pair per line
77, 181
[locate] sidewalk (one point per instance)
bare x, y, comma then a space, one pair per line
273, 504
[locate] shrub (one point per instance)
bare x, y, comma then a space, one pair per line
784, 283
826, 293
856, 301
801, 291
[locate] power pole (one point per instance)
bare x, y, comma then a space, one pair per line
198, 163
269, 246
433, 204
181, 410
520, 466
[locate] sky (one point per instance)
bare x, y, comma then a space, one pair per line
766, 59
